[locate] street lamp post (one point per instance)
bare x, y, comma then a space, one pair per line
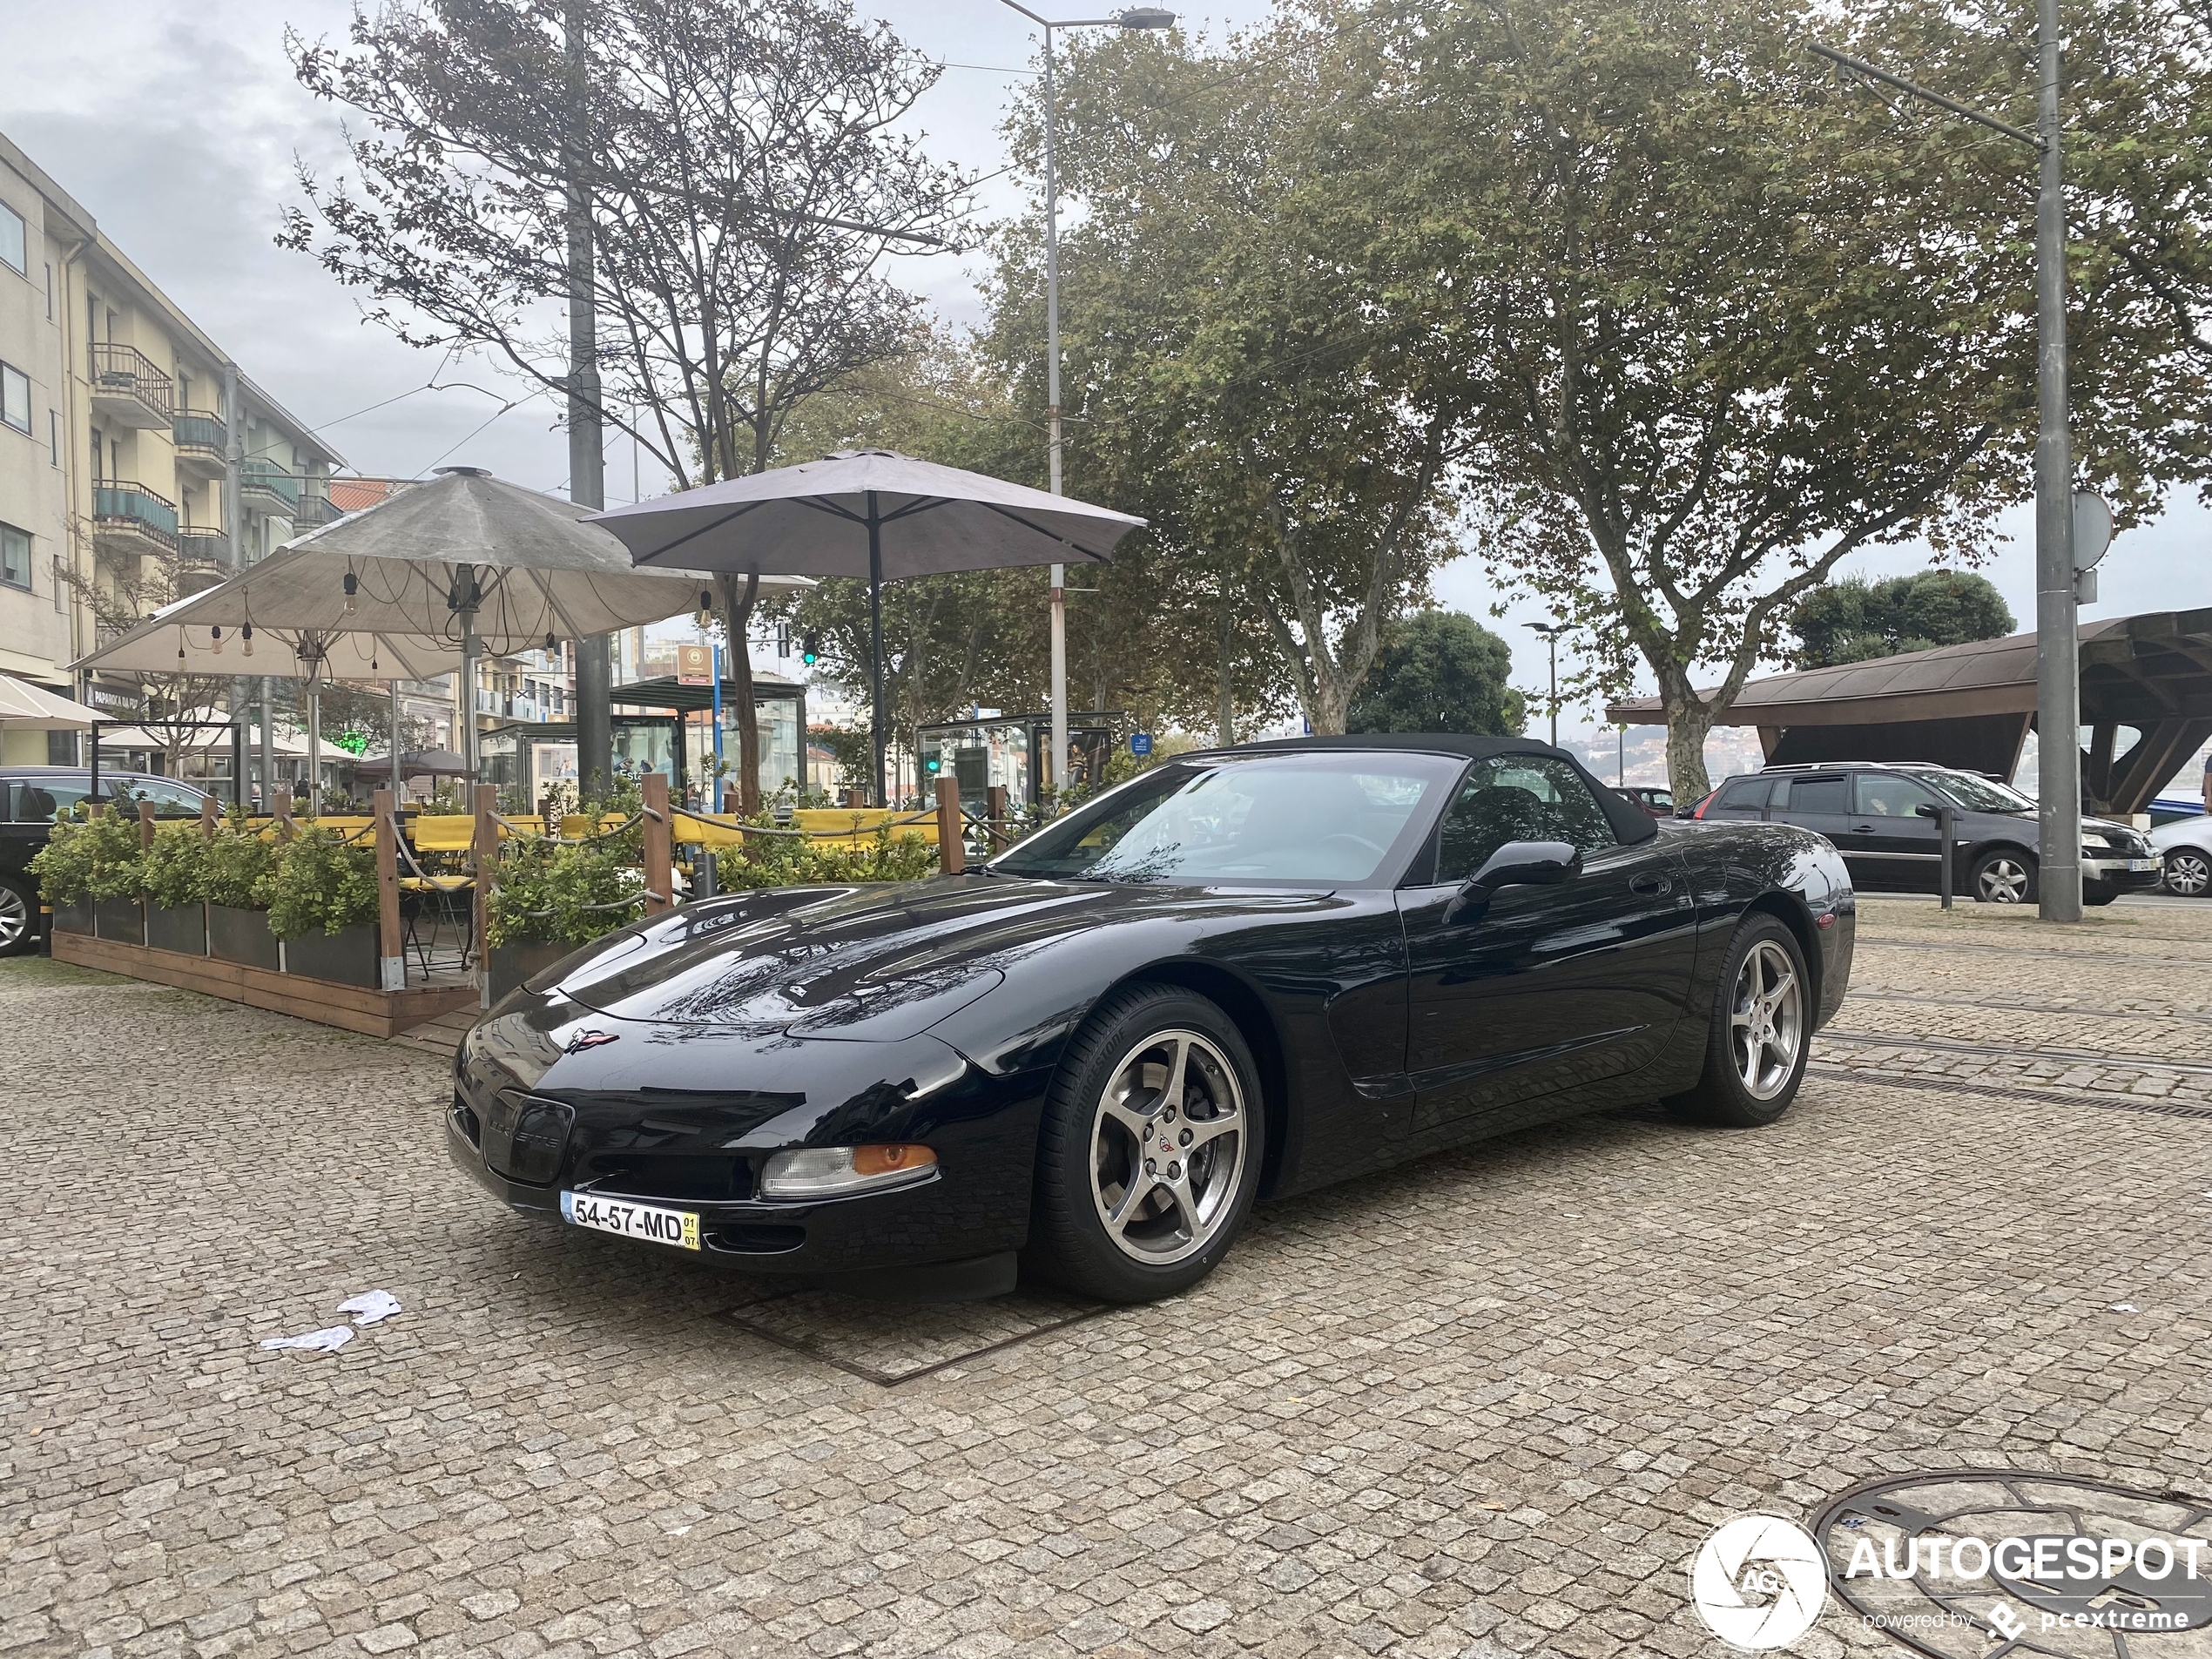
1551, 632
1135, 17
2058, 661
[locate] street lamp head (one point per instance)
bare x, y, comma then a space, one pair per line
1544, 628
1145, 18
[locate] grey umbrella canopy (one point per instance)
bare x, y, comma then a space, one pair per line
871, 514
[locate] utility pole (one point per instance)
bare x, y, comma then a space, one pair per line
1134, 17
595, 743
2058, 657
1551, 632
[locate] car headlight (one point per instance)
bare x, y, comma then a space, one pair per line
837, 1171
2090, 838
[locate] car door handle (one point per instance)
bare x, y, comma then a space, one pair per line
1650, 883
1862, 829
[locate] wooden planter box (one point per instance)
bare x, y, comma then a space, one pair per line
376, 1013
512, 964
76, 917
243, 936
182, 929
121, 919
347, 957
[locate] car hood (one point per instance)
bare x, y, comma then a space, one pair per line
869, 964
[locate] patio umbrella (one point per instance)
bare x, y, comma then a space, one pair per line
187, 636
465, 560
867, 513
25, 707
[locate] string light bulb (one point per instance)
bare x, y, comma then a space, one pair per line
551, 645
705, 618
247, 634
353, 587
215, 637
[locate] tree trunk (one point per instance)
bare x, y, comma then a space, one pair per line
738, 600
1687, 721
1226, 711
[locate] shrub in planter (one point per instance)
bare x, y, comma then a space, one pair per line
788, 861
95, 862
550, 894
176, 869
322, 904
235, 879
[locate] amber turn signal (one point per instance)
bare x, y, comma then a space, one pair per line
885, 1160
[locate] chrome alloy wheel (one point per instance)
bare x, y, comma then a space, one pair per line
2188, 872
2004, 880
1167, 1146
1767, 1019
14, 918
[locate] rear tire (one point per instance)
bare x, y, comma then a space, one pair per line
1760, 1032
2003, 875
1150, 1153
18, 919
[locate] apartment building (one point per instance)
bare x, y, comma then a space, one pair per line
136, 458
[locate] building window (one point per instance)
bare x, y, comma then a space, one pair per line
15, 398
50, 291
14, 244
15, 557
54, 434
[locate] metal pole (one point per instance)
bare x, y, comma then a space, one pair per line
468, 682
1944, 833
875, 644
1552, 640
2057, 673
268, 746
1059, 765
399, 794
315, 750
594, 681
714, 657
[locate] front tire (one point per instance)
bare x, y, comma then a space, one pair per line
1760, 1033
2003, 875
2188, 872
1150, 1153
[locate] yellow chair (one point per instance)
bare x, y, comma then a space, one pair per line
862, 823
443, 831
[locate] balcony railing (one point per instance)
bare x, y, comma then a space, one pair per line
124, 374
315, 511
197, 543
272, 486
200, 430
118, 505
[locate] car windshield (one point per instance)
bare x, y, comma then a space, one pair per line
1977, 795
1333, 818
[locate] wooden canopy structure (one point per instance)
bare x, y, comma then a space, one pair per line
2146, 700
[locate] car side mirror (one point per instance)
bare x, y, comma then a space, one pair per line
1928, 809
1517, 864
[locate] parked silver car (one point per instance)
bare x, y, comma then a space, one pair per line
2184, 847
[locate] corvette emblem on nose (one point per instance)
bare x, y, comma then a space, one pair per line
583, 1040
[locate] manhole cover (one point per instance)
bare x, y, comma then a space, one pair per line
889, 1343
1973, 1563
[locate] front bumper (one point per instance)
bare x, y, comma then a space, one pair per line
590, 1125
2113, 874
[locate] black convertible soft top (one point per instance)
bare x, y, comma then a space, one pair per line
1629, 821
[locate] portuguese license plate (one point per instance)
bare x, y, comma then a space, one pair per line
645, 1221
2143, 864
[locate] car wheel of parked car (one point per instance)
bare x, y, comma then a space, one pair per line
1761, 1030
18, 919
2188, 872
2006, 876
1150, 1149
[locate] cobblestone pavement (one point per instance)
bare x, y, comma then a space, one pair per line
1484, 1406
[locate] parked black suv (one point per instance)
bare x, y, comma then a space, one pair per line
1882, 820
30, 797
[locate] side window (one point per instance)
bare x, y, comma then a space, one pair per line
1885, 795
1517, 798
1820, 795
1747, 794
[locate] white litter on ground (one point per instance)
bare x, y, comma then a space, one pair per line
370, 1306
2125, 1307
326, 1341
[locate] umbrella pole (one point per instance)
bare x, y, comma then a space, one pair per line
315, 750
875, 645
468, 698
399, 794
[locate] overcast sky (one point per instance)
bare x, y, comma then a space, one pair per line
177, 129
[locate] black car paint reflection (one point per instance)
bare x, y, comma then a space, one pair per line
936, 1012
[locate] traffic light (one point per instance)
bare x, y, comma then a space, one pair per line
934, 765
810, 649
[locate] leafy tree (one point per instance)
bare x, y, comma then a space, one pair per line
1855, 620
1721, 324
742, 183
1440, 670
1230, 371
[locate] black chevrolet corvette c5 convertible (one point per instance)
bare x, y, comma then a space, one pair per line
1244, 973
